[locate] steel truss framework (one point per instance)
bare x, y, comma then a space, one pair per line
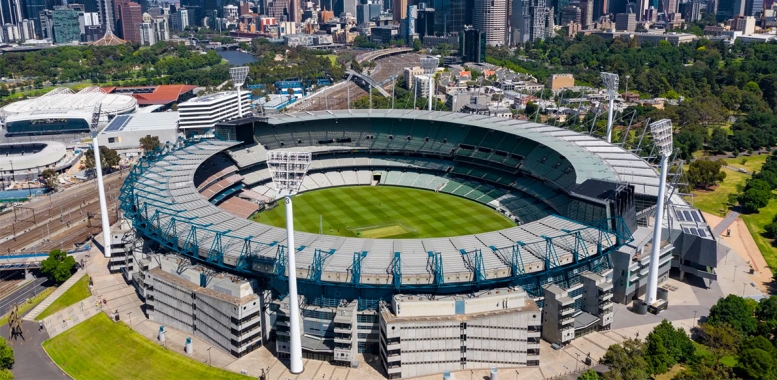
267, 261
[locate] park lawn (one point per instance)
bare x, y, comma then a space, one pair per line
728, 360
714, 201
100, 349
32, 302
386, 212
77, 292
677, 368
755, 224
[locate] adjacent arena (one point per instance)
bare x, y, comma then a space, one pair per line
63, 111
580, 206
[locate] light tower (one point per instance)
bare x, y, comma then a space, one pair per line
100, 187
611, 83
287, 170
662, 137
239, 75
429, 64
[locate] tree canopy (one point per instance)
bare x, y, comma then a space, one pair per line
149, 143
58, 266
108, 158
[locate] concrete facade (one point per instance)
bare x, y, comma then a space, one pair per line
559, 81
220, 309
421, 336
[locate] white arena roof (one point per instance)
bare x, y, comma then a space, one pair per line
51, 153
63, 102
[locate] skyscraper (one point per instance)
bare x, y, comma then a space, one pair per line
472, 45
65, 25
531, 20
448, 16
32, 9
131, 18
491, 16
586, 13
399, 9
753, 7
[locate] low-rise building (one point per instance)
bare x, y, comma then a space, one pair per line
559, 81
202, 113
421, 336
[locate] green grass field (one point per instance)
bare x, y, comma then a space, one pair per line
100, 349
78, 292
386, 212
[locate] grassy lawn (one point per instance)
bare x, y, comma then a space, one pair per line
78, 292
671, 374
714, 201
755, 224
34, 301
100, 349
387, 212
702, 350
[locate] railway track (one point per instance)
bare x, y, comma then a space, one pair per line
59, 221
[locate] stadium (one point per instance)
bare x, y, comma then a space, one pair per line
63, 111
555, 224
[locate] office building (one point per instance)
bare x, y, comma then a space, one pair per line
11, 12
367, 11
625, 22
424, 25
691, 10
153, 30
201, 113
408, 25
130, 19
532, 20
727, 9
491, 16
744, 24
221, 309
472, 45
399, 10
571, 13
231, 12
91, 29
32, 9
601, 8
559, 81
421, 335
179, 20
409, 74
586, 13
753, 7
46, 19
65, 25
449, 15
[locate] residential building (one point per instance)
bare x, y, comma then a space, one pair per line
559, 81
179, 19
65, 25
410, 73
491, 16
625, 22
201, 113
586, 13
420, 335
472, 45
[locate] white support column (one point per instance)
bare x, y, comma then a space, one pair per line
239, 104
431, 90
103, 204
609, 118
295, 350
652, 285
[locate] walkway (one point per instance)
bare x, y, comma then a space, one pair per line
725, 223
31, 361
65, 319
53, 296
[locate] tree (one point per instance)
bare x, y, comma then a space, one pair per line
721, 338
589, 375
58, 266
149, 143
6, 355
719, 140
767, 309
756, 363
736, 312
108, 158
626, 361
417, 45
50, 177
705, 173
676, 341
658, 360
756, 195
531, 108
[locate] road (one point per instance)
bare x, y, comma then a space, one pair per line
24, 292
386, 68
58, 221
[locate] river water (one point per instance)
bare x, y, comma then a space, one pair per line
237, 58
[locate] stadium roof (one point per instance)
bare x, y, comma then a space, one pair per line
592, 158
166, 191
142, 122
63, 102
153, 95
51, 153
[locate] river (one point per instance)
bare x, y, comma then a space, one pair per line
236, 58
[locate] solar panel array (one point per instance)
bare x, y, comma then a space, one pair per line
118, 123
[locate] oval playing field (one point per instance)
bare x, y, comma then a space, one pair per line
386, 212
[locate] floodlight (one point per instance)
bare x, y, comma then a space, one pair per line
238, 75
610, 82
662, 136
287, 170
106, 224
429, 64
